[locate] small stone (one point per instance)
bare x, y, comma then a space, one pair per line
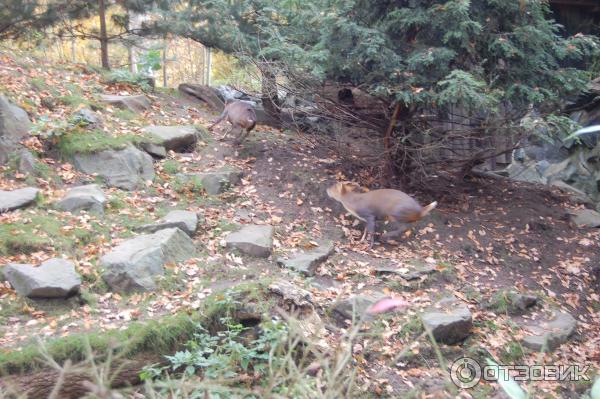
83, 198
175, 138
16, 199
253, 240
412, 273
450, 321
307, 262
136, 104
155, 150
511, 302
292, 293
185, 220
27, 162
215, 183
355, 307
551, 332
585, 218
55, 278
88, 117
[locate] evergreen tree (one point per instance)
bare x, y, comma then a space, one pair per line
492, 59
18, 19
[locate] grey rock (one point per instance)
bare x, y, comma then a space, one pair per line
220, 181
83, 198
525, 171
585, 218
511, 302
253, 240
550, 333
215, 183
126, 169
307, 262
88, 117
576, 194
27, 162
135, 263
14, 126
185, 220
155, 150
16, 199
559, 171
354, 306
291, 293
55, 278
520, 302
176, 138
413, 273
136, 104
450, 321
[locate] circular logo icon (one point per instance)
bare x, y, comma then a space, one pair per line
465, 372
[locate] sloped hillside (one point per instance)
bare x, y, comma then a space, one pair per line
148, 237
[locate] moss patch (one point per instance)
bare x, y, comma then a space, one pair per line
78, 141
162, 336
44, 231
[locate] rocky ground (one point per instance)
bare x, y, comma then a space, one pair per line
140, 221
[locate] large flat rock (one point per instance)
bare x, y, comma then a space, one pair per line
355, 307
450, 321
83, 198
550, 332
585, 218
15, 199
136, 104
135, 263
307, 262
185, 220
126, 169
253, 240
175, 138
55, 278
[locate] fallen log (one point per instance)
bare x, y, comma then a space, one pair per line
72, 382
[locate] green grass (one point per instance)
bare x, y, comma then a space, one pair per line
73, 100
157, 336
43, 231
512, 353
80, 141
171, 166
38, 84
125, 114
162, 336
191, 183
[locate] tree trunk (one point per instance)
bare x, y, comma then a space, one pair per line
164, 61
103, 35
388, 167
208, 66
269, 92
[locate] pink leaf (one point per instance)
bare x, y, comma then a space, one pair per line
387, 305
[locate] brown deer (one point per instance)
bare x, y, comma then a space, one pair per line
241, 116
379, 205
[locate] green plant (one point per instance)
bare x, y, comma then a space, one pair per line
73, 100
125, 76
188, 183
125, 114
171, 166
